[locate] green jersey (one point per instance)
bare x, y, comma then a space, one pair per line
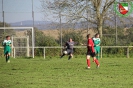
97, 45
7, 47
96, 41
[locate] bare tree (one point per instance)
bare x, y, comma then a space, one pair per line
94, 11
101, 10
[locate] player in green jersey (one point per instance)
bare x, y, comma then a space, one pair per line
97, 41
7, 48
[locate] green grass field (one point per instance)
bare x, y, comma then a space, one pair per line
62, 73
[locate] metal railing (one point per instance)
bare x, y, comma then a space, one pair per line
13, 54
127, 47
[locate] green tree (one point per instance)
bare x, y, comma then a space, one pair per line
44, 41
75, 35
5, 32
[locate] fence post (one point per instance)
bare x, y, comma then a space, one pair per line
28, 46
101, 51
44, 52
12, 47
14, 52
127, 52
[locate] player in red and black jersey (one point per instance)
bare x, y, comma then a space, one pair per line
91, 52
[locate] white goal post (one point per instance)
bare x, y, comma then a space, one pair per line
32, 31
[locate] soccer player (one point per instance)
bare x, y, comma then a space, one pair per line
69, 48
91, 52
97, 41
7, 48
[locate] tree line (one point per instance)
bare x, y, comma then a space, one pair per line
125, 38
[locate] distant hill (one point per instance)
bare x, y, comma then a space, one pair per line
29, 23
45, 25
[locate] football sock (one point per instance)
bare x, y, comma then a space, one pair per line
69, 57
6, 58
88, 62
62, 55
97, 57
96, 61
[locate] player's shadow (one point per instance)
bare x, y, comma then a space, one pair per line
28, 57
57, 68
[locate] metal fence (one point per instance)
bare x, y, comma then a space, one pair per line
79, 50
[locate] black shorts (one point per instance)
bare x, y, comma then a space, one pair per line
69, 51
90, 53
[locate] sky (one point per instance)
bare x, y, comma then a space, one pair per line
20, 10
